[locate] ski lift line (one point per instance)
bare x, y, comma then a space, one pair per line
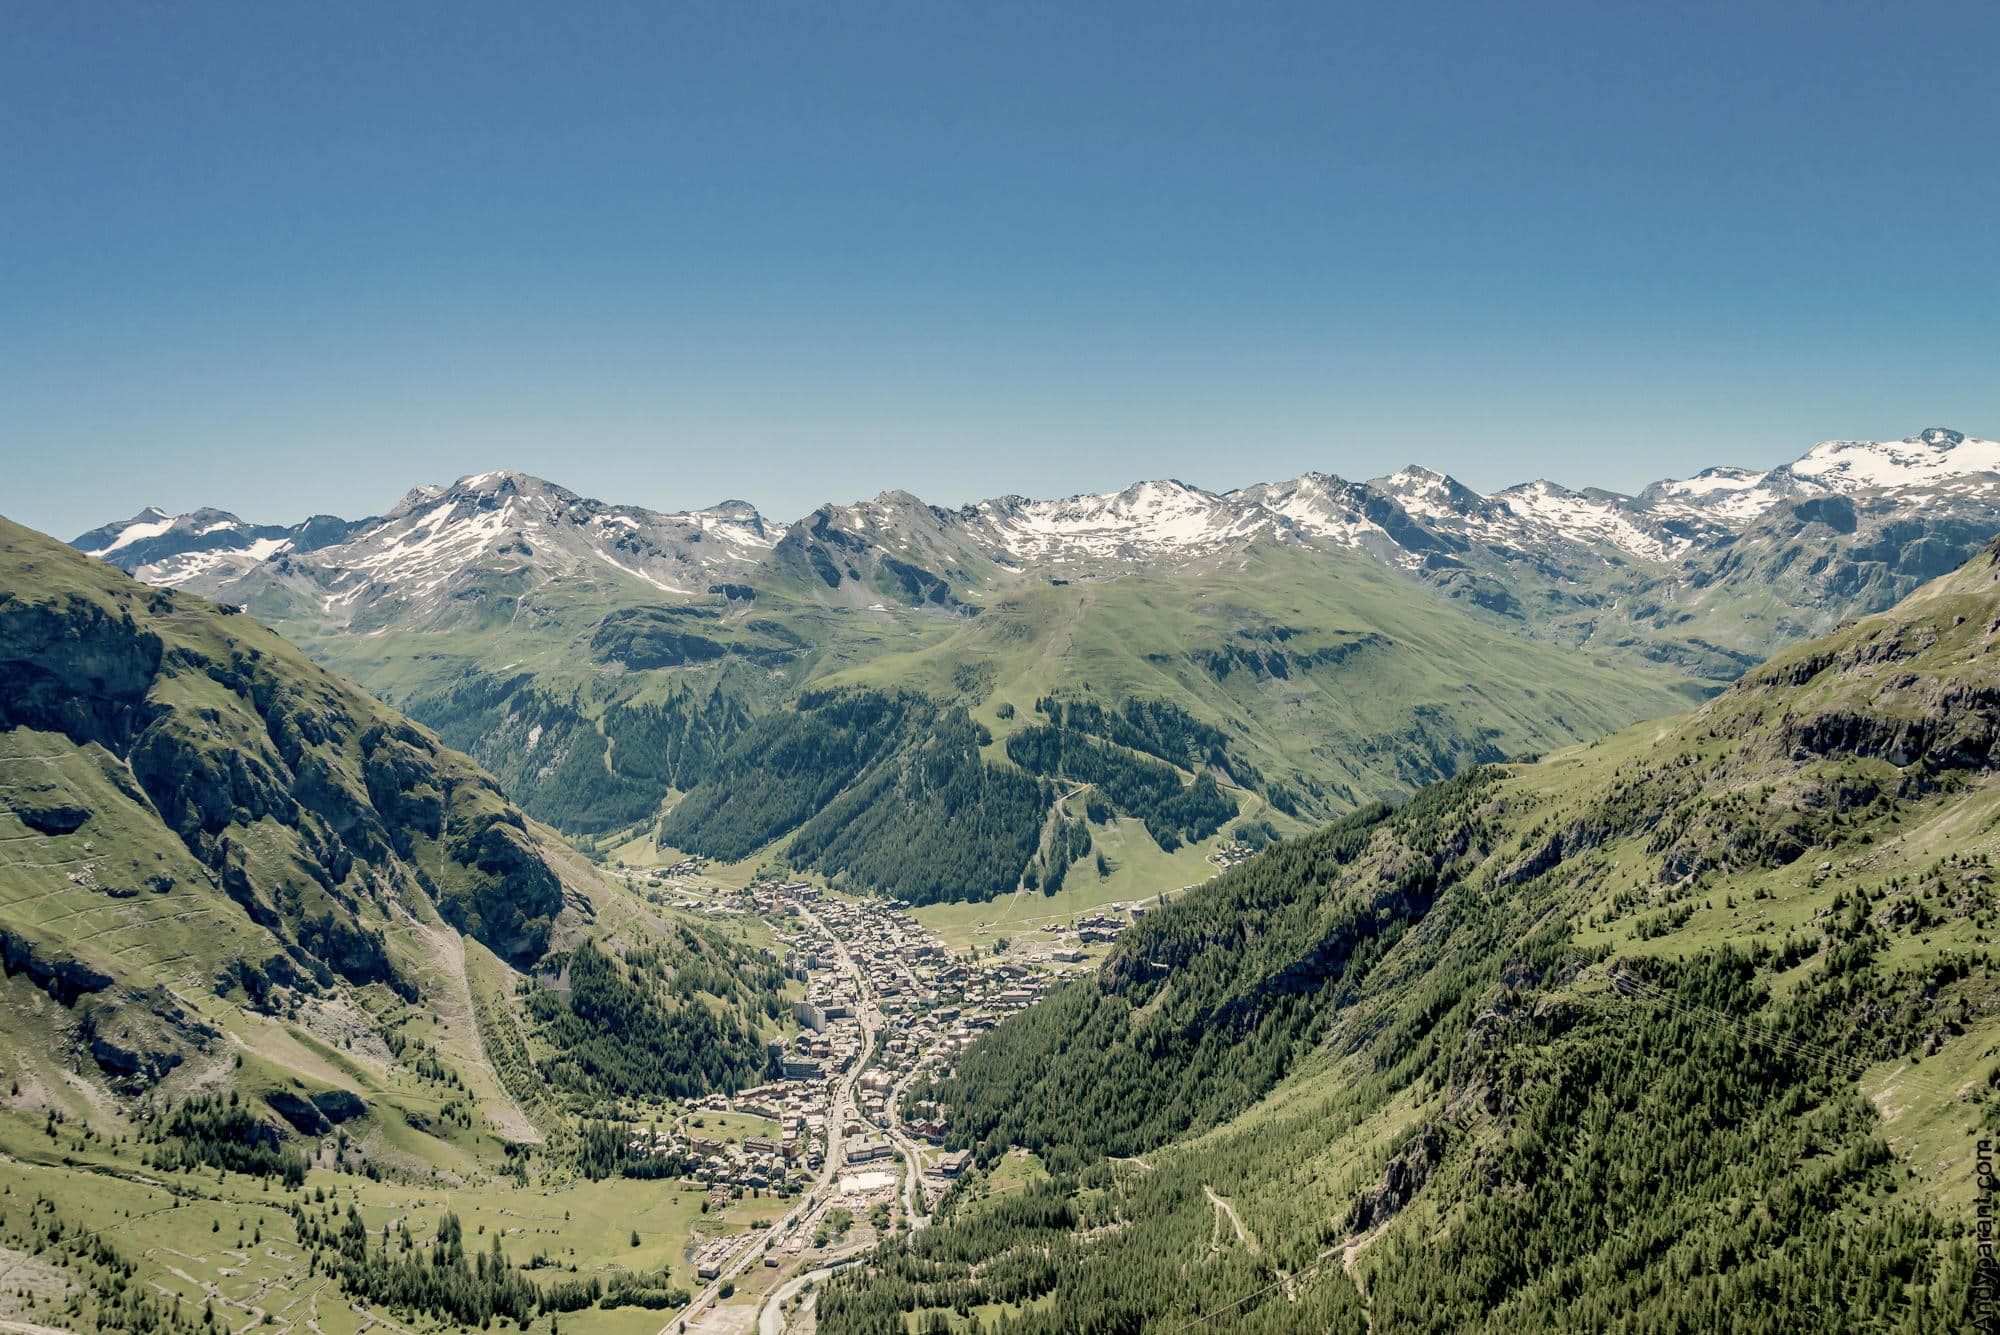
1851, 1068
1786, 1047
1276, 1284
1792, 1047
1848, 1067
1630, 985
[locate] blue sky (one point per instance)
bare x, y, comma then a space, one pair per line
291, 258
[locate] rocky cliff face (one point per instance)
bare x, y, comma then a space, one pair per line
75, 667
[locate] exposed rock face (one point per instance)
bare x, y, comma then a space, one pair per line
135, 1035
339, 1105
131, 1066
519, 896
64, 979
50, 812
1401, 1181
1917, 690
70, 666
893, 549
315, 1114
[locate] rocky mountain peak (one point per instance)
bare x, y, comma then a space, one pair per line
1424, 490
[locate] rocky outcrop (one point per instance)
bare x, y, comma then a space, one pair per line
1405, 1176
72, 667
316, 1114
48, 813
62, 978
513, 897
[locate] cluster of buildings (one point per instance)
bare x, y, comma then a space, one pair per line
761, 1162
923, 1005
1229, 855
931, 1004
885, 1002
1103, 928
899, 962
716, 1253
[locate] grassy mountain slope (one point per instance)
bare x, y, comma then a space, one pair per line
258, 930
890, 791
1694, 1028
1324, 668
592, 699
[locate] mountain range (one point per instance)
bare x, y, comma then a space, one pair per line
603, 659
1416, 519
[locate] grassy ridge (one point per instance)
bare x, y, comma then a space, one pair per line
1321, 666
256, 925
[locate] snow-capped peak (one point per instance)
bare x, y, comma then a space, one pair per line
201, 548
475, 488
154, 527
1722, 478
1736, 496
150, 522
498, 478
1932, 455
1426, 493
1417, 478
441, 540
1594, 517
438, 545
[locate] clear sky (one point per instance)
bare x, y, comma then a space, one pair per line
289, 257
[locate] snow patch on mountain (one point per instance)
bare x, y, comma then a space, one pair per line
1736, 496
1588, 519
1425, 493
1322, 505
1164, 517
437, 547
150, 522
1933, 455
440, 541
203, 548
212, 567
